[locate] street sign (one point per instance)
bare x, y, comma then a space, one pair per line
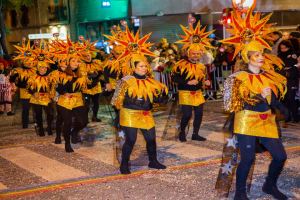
44, 36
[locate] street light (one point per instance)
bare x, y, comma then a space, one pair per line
105, 4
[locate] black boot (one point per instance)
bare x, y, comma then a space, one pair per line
68, 148
271, 188
124, 167
49, 130
240, 195
75, 137
198, 137
95, 119
182, 137
25, 125
1, 112
57, 140
151, 149
41, 132
10, 114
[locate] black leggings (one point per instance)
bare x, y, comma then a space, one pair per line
95, 100
79, 123
131, 134
247, 151
38, 110
25, 111
187, 114
290, 103
59, 122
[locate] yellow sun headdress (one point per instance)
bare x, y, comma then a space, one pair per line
26, 55
134, 49
41, 57
66, 50
195, 39
249, 34
87, 47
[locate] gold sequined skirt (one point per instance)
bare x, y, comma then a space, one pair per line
136, 119
95, 90
70, 100
191, 98
44, 99
259, 124
24, 94
113, 83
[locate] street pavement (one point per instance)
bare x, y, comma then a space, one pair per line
33, 167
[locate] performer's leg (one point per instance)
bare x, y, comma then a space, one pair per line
131, 134
38, 109
185, 118
67, 119
278, 159
247, 151
198, 111
81, 121
59, 121
87, 102
25, 112
49, 111
150, 136
1, 108
95, 99
8, 109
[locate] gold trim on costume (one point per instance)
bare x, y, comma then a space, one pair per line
136, 119
112, 83
24, 73
95, 90
44, 99
191, 98
70, 100
259, 124
194, 71
24, 94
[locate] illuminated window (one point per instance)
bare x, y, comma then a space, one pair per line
136, 22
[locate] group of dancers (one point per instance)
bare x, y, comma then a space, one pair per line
249, 94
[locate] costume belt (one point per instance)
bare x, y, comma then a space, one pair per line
44, 99
95, 90
192, 98
24, 94
136, 118
260, 124
70, 100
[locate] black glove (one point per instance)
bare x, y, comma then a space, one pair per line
163, 99
93, 75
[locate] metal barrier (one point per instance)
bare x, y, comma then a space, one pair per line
216, 75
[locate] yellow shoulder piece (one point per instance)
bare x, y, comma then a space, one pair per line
241, 75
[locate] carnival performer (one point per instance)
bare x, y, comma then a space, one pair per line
38, 85
70, 102
62, 66
134, 97
20, 77
249, 94
190, 76
93, 69
7, 89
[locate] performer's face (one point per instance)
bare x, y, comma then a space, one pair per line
74, 63
63, 65
43, 70
141, 68
257, 59
28, 64
87, 57
194, 56
1, 66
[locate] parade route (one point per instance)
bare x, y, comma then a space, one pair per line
33, 167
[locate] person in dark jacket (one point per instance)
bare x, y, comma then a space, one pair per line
289, 57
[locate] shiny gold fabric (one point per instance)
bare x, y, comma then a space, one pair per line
95, 90
136, 119
44, 99
23, 73
70, 100
24, 94
113, 83
192, 98
260, 124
